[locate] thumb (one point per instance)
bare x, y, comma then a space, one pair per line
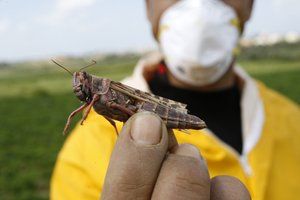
137, 158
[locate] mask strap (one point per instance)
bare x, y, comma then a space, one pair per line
160, 30
237, 24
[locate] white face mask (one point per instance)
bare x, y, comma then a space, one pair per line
197, 39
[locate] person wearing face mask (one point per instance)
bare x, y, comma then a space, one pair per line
252, 133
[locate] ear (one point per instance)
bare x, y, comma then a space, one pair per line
243, 9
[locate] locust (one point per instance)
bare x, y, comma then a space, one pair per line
116, 101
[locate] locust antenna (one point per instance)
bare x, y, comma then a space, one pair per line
62, 67
93, 63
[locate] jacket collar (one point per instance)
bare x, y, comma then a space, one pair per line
253, 116
251, 104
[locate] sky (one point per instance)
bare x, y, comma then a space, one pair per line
42, 29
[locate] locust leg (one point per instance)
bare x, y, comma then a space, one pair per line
119, 107
95, 98
114, 105
72, 115
113, 123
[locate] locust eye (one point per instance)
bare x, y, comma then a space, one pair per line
81, 95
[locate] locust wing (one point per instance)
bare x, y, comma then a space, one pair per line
148, 97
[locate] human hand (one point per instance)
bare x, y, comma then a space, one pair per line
147, 163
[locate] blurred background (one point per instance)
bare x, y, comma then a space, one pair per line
36, 96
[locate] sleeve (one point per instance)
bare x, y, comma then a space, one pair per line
82, 162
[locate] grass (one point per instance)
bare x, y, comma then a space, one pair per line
36, 98
34, 106
280, 75
30, 139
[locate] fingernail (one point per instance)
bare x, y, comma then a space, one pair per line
187, 150
146, 129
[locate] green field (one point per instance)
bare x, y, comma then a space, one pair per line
36, 98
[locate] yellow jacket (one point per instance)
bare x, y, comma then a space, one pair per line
269, 164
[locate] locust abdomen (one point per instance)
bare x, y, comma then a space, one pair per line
172, 117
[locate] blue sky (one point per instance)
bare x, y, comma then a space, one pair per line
38, 29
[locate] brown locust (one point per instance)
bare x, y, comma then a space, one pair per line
116, 101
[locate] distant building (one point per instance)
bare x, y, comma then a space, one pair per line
270, 39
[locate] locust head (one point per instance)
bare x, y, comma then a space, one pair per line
82, 86
82, 82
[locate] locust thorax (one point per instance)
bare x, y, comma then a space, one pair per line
82, 86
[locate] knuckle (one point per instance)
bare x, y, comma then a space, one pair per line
186, 184
132, 187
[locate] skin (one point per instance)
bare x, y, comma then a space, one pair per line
148, 163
